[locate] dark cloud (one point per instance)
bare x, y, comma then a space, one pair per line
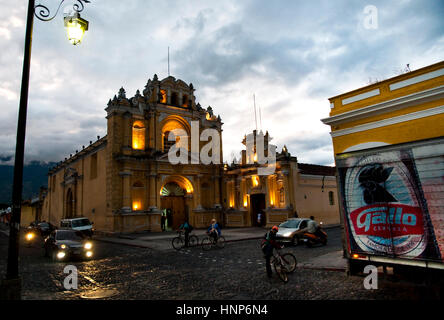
227, 49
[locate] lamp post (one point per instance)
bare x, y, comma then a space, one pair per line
11, 285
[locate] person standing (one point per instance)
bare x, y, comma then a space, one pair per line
162, 221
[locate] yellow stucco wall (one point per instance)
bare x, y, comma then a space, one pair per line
313, 200
27, 215
89, 192
411, 100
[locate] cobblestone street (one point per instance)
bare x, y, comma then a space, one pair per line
235, 272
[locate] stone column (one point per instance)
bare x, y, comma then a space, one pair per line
157, 192
151, 132
152, 192
285, 174
126, 200
197, 192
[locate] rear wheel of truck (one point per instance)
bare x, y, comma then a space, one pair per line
355, 267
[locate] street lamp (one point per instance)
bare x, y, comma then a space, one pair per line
75, 27
10, 288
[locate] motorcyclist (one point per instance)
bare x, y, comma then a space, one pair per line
313, 228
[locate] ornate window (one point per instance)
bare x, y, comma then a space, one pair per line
174, 99
185, 101
163, 96
138, 135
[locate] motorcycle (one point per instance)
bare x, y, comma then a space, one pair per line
30, 236
320, 236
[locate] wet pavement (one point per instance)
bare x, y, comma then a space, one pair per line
120, 271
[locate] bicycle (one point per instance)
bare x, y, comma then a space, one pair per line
208, 242
283, 264
179, 241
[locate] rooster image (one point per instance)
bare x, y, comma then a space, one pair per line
372, 179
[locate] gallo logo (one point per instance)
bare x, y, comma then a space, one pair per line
391, 220
385, 216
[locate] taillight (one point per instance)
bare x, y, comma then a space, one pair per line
359, 256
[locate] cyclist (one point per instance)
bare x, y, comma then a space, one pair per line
187, 228
268, 244
214, 230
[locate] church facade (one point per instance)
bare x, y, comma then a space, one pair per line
126, 181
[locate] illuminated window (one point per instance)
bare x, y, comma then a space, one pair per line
185, 101
167, 144
180, 133
137, 196
164, 96
138, 135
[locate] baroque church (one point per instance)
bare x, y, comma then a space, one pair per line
125, 181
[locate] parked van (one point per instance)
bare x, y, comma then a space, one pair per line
79, 224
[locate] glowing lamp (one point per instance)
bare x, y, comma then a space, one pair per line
75, 27
136, 205
255, 180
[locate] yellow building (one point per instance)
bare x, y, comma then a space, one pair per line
292, 187
389, 151
124, 182
32, 209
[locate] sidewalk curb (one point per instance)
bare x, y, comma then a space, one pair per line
323, 268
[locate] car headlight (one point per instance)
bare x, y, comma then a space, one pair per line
60, 255
63, 246
29, 236
88, 245
287, 234
89, 254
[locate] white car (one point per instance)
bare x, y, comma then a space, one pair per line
288, 230
78, 224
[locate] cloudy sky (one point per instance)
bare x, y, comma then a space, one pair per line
293, 55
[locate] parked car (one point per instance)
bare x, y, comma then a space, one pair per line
288, 230
78, 224
63, 244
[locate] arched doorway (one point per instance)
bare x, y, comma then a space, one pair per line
172, 200
69, 204
257, 203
